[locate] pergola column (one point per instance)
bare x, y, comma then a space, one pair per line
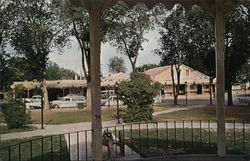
220, 75
95, 43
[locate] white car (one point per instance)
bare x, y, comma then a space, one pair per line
33, 103
68, 102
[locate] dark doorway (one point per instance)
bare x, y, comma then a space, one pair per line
182, 89
199, 89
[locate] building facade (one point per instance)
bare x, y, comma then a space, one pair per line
191, 80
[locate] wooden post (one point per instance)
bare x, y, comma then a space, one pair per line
28, 93
220, 75
95, 44
45, 95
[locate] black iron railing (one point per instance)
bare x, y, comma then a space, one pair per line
167, 138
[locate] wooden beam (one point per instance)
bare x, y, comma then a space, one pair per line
220, 75
95, 44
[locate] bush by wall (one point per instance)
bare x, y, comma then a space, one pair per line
15, 114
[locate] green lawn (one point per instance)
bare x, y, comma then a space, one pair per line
207, 113
58, 151
166, 107
70, 116
4, 129
193, 141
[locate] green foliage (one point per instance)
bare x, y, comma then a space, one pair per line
173, 38
137, 94
145, 67
15, 114
237, 42
38, 29
117, 65
14, 69
54, 72
243, 74
128, 31
7, 12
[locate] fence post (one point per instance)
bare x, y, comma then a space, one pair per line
121, 143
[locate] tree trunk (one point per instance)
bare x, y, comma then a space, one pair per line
174, 87
88, 96
133, 67
210, 90
229, 94
175, 99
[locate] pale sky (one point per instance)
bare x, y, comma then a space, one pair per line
71, 58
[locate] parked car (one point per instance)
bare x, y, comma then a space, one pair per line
70, 101
33, 103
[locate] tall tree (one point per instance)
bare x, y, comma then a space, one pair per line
129, 30
38, 29
200, 45
117, 65
173, 43
7, 12
237, 48
79, 29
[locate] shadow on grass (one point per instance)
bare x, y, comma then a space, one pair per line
36, 149
185, 141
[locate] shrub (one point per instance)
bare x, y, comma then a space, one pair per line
15, 114
137, 94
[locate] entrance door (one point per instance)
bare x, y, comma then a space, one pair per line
199, 89
182, 89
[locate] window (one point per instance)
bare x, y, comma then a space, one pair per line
187, 72
191, 86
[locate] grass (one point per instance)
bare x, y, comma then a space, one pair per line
4, 129
207, 113
70, 116
165, 107
193, 141
56, 153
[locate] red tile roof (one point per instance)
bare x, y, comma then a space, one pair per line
156, 71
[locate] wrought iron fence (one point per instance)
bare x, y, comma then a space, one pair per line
169, 138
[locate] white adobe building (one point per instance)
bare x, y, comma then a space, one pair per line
197, 82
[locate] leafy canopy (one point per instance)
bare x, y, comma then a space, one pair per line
38, 29
117, 65
128, 31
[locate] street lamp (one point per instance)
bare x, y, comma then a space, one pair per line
42, 105
186, 91
118, 113
108, 96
